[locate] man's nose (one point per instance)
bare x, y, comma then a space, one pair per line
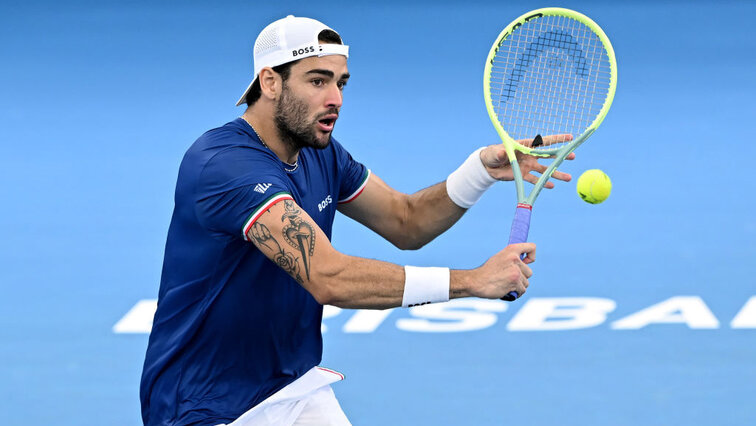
334, 97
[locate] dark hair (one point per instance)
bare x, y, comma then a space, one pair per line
325, 36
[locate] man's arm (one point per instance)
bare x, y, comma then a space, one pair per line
290, 238
409, 221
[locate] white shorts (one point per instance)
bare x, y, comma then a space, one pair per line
309, 400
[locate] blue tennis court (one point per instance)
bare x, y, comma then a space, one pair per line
642, 310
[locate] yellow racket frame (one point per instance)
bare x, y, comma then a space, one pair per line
509, 143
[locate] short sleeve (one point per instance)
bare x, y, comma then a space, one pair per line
236, 186
354, 175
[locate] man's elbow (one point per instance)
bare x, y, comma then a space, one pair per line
407, 236
333, 296
325, 282
409, 239
323, 295
409, 244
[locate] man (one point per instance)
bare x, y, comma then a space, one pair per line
248, 263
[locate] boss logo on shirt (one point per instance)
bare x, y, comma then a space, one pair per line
323, 204
308, 49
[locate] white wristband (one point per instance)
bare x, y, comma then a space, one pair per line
467, 184
425, 285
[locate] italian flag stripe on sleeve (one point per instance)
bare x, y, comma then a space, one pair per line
359, 190
264, 206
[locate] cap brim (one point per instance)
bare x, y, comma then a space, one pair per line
241, 100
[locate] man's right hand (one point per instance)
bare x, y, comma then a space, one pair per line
504, 272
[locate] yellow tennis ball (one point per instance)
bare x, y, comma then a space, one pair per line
594, 186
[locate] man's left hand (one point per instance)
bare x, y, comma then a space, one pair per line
496, 161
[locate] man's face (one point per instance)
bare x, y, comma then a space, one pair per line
310, 101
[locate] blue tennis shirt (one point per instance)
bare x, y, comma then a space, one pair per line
231, 327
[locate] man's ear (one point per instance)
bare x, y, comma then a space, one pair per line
270, 83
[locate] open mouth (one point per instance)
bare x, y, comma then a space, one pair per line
326, 123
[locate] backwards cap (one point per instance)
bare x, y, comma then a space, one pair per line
288, 40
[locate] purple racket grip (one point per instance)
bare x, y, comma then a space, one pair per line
519, 234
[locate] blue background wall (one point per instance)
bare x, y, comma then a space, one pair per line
100, 100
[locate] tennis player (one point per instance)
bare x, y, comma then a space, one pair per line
248, 262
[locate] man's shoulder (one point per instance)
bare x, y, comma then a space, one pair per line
228, 135
229, 142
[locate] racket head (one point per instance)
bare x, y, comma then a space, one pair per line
551, 72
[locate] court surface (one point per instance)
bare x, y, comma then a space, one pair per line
641, 310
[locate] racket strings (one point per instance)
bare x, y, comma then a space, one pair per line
550, 76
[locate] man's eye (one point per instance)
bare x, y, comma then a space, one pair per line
317, 82
341, 84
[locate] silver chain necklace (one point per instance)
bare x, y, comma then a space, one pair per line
294, 166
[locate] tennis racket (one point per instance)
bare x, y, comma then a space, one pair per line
550, 73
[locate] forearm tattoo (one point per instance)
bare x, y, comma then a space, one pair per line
297, 233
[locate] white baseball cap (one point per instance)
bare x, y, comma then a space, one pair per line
287, 40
